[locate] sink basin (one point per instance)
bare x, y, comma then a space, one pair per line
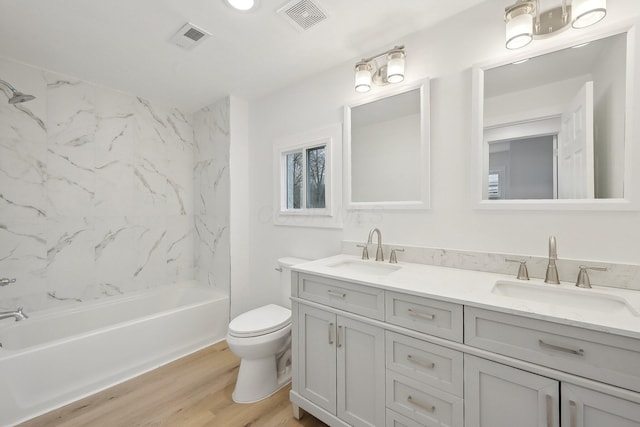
585, 299
365, 267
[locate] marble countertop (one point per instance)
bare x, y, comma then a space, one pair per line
474, 288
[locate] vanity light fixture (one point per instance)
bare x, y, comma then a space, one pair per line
526, 20
368, 72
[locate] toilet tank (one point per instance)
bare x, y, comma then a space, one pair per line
285, 265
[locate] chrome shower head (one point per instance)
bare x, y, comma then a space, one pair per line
19, 97
16, 96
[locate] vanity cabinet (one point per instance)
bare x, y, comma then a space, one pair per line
341, 366
500, 395
366, 356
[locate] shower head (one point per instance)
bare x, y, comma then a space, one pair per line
19, 97
16, 96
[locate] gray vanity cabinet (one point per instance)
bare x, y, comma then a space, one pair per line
583, 407
341, 366
499, 395
365, 356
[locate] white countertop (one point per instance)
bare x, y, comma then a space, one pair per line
474, 288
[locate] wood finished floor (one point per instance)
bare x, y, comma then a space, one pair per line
192, 391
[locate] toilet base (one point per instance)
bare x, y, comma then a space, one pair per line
258, 379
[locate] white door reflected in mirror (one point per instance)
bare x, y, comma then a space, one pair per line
548, 158
554, 127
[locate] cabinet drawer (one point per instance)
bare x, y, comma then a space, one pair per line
423, 404
358, 299
396, 420
438, 318
432, 364
612, 359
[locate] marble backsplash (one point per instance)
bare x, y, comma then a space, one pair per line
625, 276
98, 193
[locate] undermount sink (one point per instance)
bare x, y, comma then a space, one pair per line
586, 299
365, 267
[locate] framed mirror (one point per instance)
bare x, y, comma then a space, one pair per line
553, 131
387, 150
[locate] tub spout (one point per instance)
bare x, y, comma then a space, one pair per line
18, 315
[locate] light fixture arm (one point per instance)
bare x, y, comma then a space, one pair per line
386, 52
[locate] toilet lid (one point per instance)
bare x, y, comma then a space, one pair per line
260, 321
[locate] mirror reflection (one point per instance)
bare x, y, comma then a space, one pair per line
554, 125
388, 152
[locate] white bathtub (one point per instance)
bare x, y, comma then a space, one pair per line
58, 356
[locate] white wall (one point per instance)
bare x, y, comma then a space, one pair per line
445, 54
609, 121
386, 160
239, 201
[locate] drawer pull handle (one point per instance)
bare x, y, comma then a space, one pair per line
549, 411
425, 363
578, 352
414, 313
336, 294
428, 408
573, 414
330, 333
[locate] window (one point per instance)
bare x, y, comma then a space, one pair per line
307, 189
305, 175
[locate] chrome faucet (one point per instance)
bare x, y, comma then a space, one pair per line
18, 315
552, 271
379, 254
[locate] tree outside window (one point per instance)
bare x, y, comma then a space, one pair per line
305, 178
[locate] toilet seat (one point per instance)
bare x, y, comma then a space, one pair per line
260, 321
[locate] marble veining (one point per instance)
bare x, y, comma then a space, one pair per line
99, 192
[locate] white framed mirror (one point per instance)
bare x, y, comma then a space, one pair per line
387, 150
553, 130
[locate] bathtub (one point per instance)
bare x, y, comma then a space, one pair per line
58, 356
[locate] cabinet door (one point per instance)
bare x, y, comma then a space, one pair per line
582, 407
498, 395
317, 357
360, 371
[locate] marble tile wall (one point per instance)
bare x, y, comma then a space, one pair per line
96, 192
212, 189
625, 276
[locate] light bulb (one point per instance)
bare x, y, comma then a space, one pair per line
395, 66
242, 5
363, 77
587, 12
519, 30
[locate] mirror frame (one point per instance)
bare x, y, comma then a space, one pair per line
424, 201
480, 153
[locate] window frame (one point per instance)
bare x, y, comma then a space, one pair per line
332, 215
304, 147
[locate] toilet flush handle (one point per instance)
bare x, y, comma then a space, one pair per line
279, 269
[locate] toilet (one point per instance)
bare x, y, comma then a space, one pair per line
261, 338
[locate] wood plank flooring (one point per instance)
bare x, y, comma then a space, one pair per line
193, 391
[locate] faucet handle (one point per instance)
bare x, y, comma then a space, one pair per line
393, 258
365, 251
523, 273
583, 277
5, 281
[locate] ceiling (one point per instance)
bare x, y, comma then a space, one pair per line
123, 44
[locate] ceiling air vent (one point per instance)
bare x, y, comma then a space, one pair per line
302, 14
189, 36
